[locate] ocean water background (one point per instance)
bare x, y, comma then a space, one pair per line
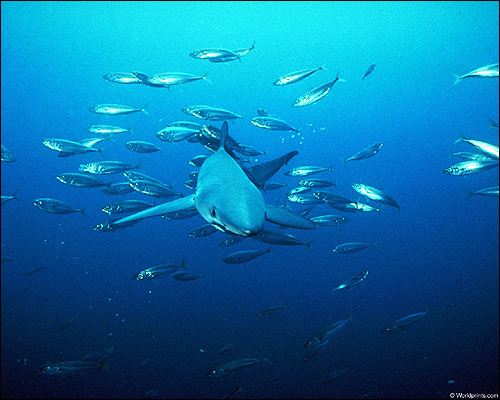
438, 254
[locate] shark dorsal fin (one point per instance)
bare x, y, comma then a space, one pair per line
223, 135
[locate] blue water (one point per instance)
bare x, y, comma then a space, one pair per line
438, 254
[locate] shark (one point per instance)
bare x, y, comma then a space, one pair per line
227, 198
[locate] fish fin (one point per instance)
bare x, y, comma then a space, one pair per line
223, 135
171, 206
281, 216
493, 124
457, 79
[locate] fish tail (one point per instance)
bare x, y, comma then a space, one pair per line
457, 79
470, 194
269, 249
322, 68
101, 153
206, 78
14, 195
103, 365
144, 111
82, 211
460, 139
339, 79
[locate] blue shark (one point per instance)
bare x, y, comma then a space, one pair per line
227, 199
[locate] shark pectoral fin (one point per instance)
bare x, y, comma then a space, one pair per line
183, 203
285, 217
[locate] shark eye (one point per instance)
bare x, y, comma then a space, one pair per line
213, 212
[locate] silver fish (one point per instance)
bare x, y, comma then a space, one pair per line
316, 183
69, 367
106, 129
331, 197
176, 133
210, 113
488, 192
488, 71
403, 323
125, 206
353, 207
187, 276
173, 78
228, 348
272, 123
115, 109
351, 247
118, 188
326, 334
211, 54
139, 176
122, 77
181, 214
307, 170
203, 231
106, 167
55, 206
244, 256
278, 237
108, 226
68, 146
269, 312
296, 76
304, 199
368, 71
248, 150
158, 271
142, 147
468, 156
366, 153
7, 156
375, 194
313, 95
353, 281
470, 167
329, 220
487, 149
80, 180
197, 161
236, 365
154, 189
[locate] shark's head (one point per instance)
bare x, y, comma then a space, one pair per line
237, 217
